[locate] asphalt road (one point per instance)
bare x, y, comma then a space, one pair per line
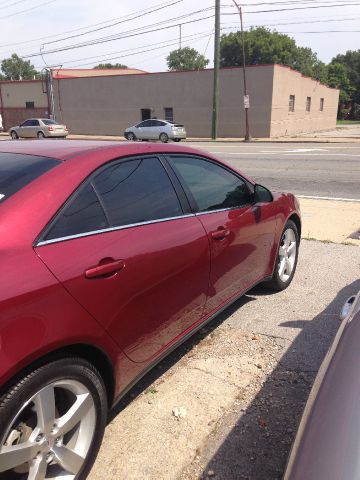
321, 170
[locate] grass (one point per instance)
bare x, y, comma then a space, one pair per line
348, 122
151, 390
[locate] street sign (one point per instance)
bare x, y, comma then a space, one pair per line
246, 101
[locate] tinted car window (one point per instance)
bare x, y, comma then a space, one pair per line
48, 121
35, 123
137, 191
212, 186
158, 123
83, 214
27, 123
18, 170
146, 123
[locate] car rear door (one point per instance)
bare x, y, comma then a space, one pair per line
241, 234
34, 128
127, 248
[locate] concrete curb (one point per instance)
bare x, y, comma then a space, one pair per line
224, 140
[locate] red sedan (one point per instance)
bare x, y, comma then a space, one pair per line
112, 255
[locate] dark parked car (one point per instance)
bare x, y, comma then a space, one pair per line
327, 443
112, 255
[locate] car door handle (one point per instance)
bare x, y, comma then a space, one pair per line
220, 233
105, 269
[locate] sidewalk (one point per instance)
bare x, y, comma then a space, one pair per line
309, 138
330, 221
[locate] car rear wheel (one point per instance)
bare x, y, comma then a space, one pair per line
40, 135
14, 135
286, 258
131, 137
177, 139
52, 422
163, 137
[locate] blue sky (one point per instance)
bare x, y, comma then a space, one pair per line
24, 22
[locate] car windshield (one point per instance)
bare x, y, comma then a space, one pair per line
46, 121
18, 170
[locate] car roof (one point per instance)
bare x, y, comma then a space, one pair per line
67, 149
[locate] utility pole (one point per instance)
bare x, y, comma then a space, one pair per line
179, 35
246, 96
50, 82
216, 70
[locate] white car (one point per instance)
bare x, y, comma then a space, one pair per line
38, 128
154, 129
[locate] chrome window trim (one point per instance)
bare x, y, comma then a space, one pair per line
111, 229
224, 209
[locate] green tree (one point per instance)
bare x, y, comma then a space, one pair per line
338, 77
186, 59
263, 46
346, 71
15, 68
109, 65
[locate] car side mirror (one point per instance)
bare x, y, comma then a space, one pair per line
347, 307
262, 194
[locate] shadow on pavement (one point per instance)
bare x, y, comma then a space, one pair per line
260, 438
176, 355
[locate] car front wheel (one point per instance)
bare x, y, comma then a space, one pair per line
14, 135
131, 137
286, 258
52, 422
164, 138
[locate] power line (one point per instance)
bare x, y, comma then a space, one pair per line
140, 15
301, 22
300, 8
173, 43
117, 37
102, 57
9, 5
78, 28
28, 9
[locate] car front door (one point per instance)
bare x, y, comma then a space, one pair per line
142, 130
24, 129
131, 253
241, 234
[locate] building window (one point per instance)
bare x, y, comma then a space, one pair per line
321, 104
145, 114
308, 104
292, 103
169, 114
30, 104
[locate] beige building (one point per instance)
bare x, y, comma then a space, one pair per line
20, 100
282, 102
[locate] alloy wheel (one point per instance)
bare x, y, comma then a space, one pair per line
51, 434
287, 255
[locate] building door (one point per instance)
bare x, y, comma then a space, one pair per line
145, 114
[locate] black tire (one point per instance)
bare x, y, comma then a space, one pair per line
71, 369
14, 135
177, 139
40, 135
163, 137
131, 137
276, 283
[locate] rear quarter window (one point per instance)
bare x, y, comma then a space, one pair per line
18, 170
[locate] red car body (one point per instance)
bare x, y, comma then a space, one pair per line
173, 275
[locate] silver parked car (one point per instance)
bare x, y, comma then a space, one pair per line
154, 129
327, 443
38, 128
